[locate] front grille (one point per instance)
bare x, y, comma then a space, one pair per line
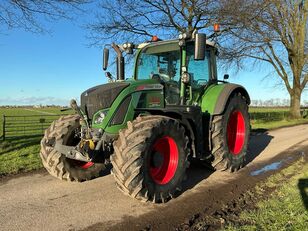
100, 97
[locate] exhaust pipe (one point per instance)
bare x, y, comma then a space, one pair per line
120, 62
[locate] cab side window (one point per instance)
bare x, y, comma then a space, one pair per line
198, 69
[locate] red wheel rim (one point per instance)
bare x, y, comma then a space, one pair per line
236, 132
81, 164
86, 165
167, 148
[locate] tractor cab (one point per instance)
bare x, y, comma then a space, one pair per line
167, 62
182, 66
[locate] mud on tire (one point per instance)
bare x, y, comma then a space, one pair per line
135, 152
63, 131
230, 134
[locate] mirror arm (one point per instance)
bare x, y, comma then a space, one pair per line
117, 49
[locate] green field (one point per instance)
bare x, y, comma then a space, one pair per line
268, 109
30, 111
21, 154
42, 112
274, 117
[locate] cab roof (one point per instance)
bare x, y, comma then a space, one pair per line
162, 42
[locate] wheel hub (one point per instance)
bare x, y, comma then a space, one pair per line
164, 160
236, 132
157, 160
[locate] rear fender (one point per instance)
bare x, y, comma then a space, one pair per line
225, 95
216, 97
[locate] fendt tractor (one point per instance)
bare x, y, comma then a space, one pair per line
173, 110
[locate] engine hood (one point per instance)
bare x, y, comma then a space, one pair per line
100, 97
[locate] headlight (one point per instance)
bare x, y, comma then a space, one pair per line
100, 117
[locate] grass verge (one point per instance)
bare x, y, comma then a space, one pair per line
286, 208
277, 124
20, 155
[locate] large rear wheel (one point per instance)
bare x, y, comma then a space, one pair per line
150, 158
230, 134
64, 131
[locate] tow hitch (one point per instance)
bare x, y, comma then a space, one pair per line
84, 151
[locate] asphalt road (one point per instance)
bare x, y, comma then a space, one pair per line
40, 202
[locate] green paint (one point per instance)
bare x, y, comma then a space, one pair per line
196, 93
210, 97
130, 90
183, 64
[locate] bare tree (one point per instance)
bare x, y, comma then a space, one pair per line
271, 31
138, 19
28, 14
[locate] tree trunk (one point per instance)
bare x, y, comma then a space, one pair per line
295, 96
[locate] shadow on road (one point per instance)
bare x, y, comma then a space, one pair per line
258, 141
195, 174
303, 189
106, 171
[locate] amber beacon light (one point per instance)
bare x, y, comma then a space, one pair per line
216, 27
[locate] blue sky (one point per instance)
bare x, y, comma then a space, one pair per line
53, 68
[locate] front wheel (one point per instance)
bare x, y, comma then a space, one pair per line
150, 158
230, 134
64, 131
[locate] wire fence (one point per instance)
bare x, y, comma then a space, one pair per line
28, 125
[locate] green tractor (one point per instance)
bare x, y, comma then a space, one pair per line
173, 110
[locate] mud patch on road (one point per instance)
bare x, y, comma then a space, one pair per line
228, 213
209, 207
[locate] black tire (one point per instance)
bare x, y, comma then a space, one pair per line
133, 161
63, 131
228, 153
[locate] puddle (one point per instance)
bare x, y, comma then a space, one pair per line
270, 167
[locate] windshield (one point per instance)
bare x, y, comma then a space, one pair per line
161, 61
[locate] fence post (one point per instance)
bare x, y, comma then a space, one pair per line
3, 128
24, 126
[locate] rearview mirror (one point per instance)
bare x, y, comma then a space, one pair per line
105, 58
200, 43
